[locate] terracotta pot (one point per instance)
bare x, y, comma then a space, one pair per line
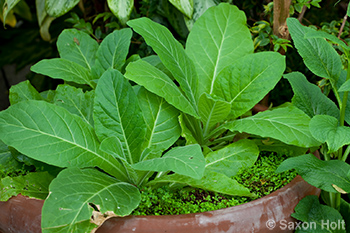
22, 215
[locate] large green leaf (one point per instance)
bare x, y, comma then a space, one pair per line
159, 83
325, 129
211, 181
121, 9
57, 8
185, 6
186, 160
321, 174
117, 113
33, 184
59, 68
309, 98
113, 146
328, 36
318, 55
317, 218
230, 159
76, 101
217, 39
69, 207
248, 80
113, 51
212, 112
78, 47
289, 125
171, 53
51, 134
161, 119
22, 92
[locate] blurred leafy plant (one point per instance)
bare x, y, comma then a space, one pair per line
264, 39
297, 5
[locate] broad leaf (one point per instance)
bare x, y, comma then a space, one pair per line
211, 181
22, 92
72, 194
212, 111
76, 101
318, 55
58, 8
33, 184
59, 68
319, 218
185, 6
230, 159
248, 80
114, 147
309, 98
117, 113
159, 83
78, 47
161, 119
51, 134
186, 160
121, 9
113, 51
218, 38
321, 174
171, 53
325, 129
328, 36
155, 61
289, 125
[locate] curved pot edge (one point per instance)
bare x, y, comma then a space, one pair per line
30, 211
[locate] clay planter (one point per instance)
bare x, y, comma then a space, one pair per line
22, 215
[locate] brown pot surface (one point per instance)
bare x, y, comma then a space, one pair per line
22, 215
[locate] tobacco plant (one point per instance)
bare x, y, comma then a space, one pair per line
329, 125
109, 138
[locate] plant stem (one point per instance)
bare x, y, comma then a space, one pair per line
346, 153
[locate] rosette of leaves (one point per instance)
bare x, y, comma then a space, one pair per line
218, 79
110, 138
